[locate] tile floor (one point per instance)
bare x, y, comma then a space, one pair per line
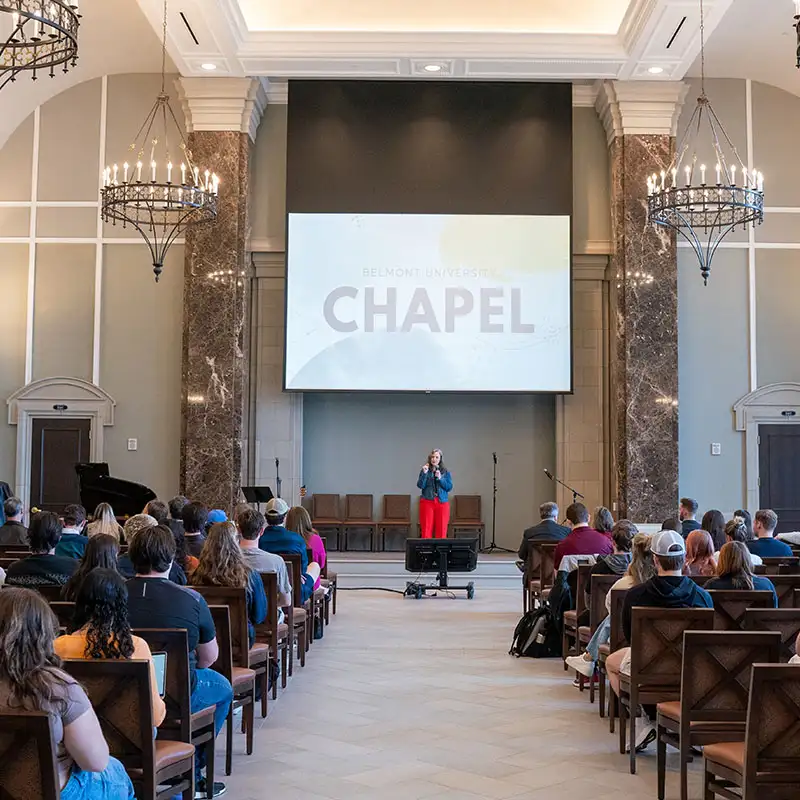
407, 699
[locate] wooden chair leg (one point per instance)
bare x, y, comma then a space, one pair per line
621, 713
685, 758
661, 761
250, 716
264, 691
301, 647
290, 648
285, 657
335, 587
229, 743
632, 740
601, 692
613, 709
210, 752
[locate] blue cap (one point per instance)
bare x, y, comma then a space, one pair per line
217, 515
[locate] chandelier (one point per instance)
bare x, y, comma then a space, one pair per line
692, 199
797, 29
158, 197
37, 35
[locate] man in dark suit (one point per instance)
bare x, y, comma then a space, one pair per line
548, 530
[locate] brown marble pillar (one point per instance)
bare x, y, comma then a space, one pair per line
214, 362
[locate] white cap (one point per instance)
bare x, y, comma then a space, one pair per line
667, 543
277, 507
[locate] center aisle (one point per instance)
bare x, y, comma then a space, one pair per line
418, 699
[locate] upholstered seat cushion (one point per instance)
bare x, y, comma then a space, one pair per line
299, 615
571, 619
604, 650
259, 653
584, 633
729, 754
672, 710
241, 677
168, 753
203, 717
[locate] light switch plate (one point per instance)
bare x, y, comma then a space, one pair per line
133, 444
716, 449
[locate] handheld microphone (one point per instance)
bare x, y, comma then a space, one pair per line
549, 474
494, 457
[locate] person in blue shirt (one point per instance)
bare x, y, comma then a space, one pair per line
735, 571
277, 539
765, 546
435, 483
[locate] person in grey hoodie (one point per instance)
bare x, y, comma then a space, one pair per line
615, 563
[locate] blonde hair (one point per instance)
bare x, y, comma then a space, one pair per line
641, 568
221, 561
735, 563
104, 522
299, 521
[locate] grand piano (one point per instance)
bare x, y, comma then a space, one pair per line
97, 486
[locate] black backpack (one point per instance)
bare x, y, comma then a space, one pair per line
536, 635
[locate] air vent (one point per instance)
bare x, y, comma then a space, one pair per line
194, 38
669, 43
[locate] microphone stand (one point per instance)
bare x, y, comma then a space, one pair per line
493, 546
278, 477
575, 494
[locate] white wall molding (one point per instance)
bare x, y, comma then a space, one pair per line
640, 107
222, 104
586, 267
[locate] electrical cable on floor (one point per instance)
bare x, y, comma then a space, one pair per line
369, 589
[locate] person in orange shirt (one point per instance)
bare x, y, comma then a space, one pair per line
101, 628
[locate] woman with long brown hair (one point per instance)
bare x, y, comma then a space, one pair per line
102, 551
31, 679
714, 522
735, 571
221, 563
699, 554
299, 521
104, 522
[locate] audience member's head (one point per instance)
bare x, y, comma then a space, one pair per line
221, 561
688, 508
672, 524
748, 521
104, 522
622, 535
548, 511
736, 531
158, 510
699, 553
277, 509
101, 552
136, 523
641, 568
251, 523
176, 506
194, 516
44, 532
602, 520
101, 606
735, 563
152, 550
577, 514
765, 522
714, 523
12, 508
74, 516
669, 551
214, 516
299, 521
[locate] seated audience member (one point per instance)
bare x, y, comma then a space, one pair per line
186, 562
687, 511
102, 551
735, 571
764, 545
12, 531
795, 659
104, 523
176, 506
214, 516
748, 522
670, 588
736, 531
714, 523
547, 530
155, 602
277, 539
101, 628
618, 562
43, 567
582, 539
31, 679
194, 516
133, 525
699, 554
251, 524
158, 510
222, 564
641, 569
602, 520
73, 542
299, 521
672, 524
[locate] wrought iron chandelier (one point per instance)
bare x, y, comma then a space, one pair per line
691, 199
37, 36
797, 30
137, 193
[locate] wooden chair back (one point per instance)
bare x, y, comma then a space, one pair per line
397, 509
50, 593
785, 586
701, 580
64, 611
323, 570
267, 631
222, 622
6, 561
28, 768
584, 575
781, 565
785, 621
325, 507
236, 600
547, 563
601, 586
715, 676
177, 725
730, 606
13, 550
358, 508
617, 634
467, 508
295, 566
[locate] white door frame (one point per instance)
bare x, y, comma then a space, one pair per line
770, 405
83, 400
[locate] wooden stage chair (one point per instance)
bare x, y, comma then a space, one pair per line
326, 518
395, 521
358, 518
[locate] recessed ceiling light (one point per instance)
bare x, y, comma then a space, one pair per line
209, 67
433, 68
655, 70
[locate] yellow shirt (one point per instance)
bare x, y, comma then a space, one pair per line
74, 646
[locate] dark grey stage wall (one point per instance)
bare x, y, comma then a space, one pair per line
431, 147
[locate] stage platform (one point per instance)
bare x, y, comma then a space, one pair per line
387, 571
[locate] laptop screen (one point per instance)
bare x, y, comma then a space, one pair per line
160, 664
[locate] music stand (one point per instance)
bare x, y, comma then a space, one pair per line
257, 495
440, 556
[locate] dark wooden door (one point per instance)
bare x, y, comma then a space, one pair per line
779, 473
58, 445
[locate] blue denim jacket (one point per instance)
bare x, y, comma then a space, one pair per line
428, 484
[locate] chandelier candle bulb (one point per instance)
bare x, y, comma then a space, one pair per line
125, 167
183, 173
719, 173
197, 176
688, 171
674, 177
744, 177
761, 182
207, 173
733, 174
663, 180
169, 172
139, 171
153, 171
703, 174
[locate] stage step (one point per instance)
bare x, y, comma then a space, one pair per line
387, 571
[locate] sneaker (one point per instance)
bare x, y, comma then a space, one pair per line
200, 789
645, 734
580, 664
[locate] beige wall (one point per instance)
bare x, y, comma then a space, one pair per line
96, 312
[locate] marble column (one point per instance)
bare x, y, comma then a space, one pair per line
640, 121
216, 284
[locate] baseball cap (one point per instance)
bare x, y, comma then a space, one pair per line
217, 515
667, 543
277, 507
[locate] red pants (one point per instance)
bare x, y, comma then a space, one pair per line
434, 516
